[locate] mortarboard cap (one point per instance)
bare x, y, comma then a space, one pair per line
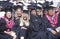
32, 7
25, 9
18, 7
8, 9
39, 6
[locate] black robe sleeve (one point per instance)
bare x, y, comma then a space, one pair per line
2, 25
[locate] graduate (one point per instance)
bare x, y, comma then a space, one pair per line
9, 22
8, 19
22, 26
18, 11
37, 24
33, 20
42, 26
52, 22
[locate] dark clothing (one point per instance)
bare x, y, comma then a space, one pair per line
16, 28
48, 25
38, 30
5, 36
19, 32
2, 29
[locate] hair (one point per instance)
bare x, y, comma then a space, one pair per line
26, 23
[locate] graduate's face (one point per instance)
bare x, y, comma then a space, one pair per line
19, 12
51, 12
39, 12
8, 14
33, 12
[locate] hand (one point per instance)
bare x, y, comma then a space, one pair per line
53, 32
11, 33
7, 32
58, 29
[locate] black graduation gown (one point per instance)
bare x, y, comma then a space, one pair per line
42, 28
48, 25
16, 28
5, 36
19, 32
38, 29
24, 32
2, 29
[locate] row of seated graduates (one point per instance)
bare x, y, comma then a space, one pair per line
40, 27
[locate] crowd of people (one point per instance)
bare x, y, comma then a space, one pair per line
33, 22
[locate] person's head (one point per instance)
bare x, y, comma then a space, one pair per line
18, 10
51, 10
8, 14
33, 11
39, 11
